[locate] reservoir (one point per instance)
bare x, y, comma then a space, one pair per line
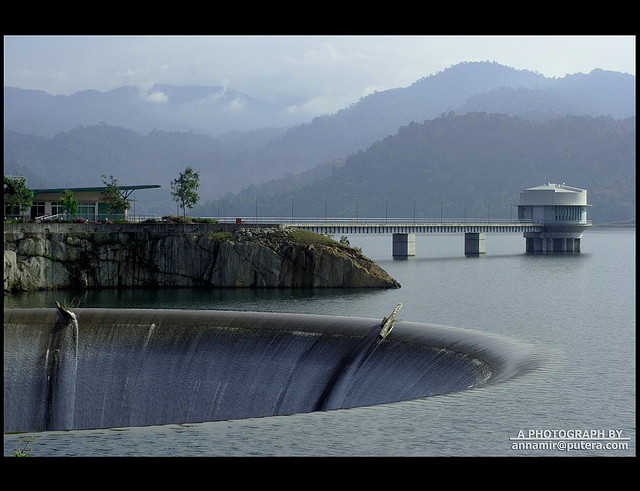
576, 311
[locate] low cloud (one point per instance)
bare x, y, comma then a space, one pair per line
237, 104
156, 96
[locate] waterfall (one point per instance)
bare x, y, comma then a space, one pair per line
61, 366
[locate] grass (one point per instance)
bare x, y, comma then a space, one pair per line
22, 447
307, 237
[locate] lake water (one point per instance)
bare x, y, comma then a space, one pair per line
579, 309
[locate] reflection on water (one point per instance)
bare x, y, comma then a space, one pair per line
184, 298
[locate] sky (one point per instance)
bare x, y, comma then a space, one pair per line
310, 75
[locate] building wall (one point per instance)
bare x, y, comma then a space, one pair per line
91, 206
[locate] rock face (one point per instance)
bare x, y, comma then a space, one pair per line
146, 257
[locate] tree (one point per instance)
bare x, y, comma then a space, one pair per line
116, 203
69, 203
20, 198
184, 189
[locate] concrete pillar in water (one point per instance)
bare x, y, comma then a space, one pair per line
575, 247
529, 244
404, 245
547, 245
538, 242
475, 243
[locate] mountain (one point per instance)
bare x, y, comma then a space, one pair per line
462, 88
472, 165
149, 136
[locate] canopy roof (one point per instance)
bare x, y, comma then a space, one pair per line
99, 188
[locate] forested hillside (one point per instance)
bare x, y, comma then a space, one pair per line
79, 157
478, 161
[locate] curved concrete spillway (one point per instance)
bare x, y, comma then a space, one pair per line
118, 367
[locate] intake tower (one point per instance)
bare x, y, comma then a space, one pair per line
562, 210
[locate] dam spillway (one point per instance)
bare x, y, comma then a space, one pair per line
137, 367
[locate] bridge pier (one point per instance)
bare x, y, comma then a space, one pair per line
539, 243
475, 243
404, 245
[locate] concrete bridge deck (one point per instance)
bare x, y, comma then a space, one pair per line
396, 225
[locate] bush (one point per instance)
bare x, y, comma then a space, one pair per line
189, 220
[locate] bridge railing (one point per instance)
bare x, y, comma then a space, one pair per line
376, 221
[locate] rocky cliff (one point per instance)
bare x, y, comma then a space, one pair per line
112, 256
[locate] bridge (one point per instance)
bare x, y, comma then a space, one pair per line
412, 226
404, 230
551, 218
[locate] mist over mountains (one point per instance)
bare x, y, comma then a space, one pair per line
207, 110
252, 154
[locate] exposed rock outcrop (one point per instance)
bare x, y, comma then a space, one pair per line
148, 257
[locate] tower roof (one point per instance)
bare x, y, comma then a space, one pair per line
553, 194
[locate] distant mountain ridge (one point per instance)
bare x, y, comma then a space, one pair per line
215, 110
200, 109
598, 93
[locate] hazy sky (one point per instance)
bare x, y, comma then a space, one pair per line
312, 74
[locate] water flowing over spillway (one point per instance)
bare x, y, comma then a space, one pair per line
120, 367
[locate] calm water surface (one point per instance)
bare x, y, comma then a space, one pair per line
579, 309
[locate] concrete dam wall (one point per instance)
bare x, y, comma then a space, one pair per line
117, 367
